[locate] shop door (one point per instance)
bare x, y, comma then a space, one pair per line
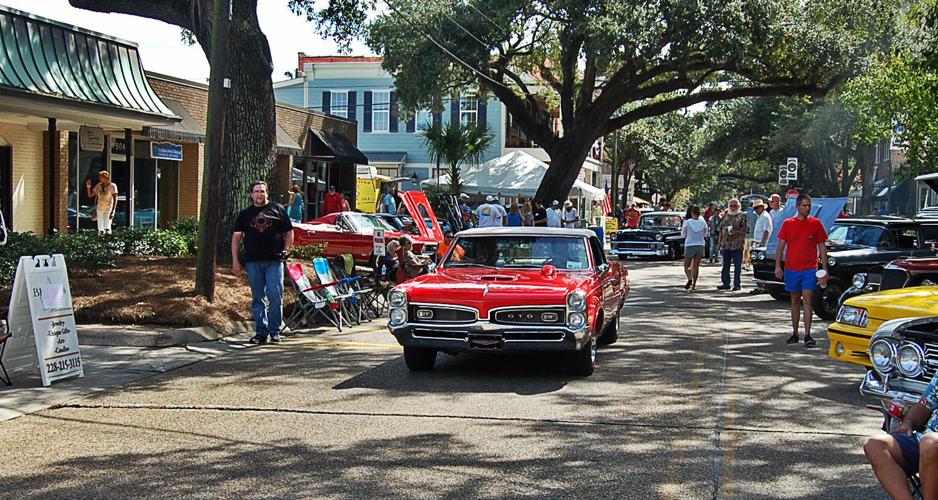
6, 185
167, 199
145, 193
120, 176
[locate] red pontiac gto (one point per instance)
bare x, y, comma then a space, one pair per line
519, 288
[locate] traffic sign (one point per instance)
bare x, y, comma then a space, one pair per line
783, 175
792, 168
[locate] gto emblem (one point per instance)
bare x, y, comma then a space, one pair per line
549, 317
425, 314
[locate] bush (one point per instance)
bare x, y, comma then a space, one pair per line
308, 252
188, 228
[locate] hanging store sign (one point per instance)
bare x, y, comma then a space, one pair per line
91, 139
166, 151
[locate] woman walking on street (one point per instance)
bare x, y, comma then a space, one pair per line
295, 205
694, 232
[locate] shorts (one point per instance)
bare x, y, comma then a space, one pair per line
909, 446
799, 281
694, 251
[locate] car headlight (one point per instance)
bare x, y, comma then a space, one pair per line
859, 280
397, 317
576, 301
856, 316
659, 237
831, 262
882, 353
576, 321
397, 298
910, 360
760, 255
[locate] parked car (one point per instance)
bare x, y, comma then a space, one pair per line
512, 289
353, 232
658, 235
854, 245
903, 359
860, 317
900, 273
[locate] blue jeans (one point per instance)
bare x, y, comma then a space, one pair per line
736, 256
714, 247
266, 279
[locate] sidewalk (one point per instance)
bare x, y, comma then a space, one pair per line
113, 356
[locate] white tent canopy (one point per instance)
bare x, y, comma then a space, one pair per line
512, 174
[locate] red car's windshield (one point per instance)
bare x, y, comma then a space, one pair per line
566, 253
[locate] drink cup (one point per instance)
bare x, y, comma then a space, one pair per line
821, 278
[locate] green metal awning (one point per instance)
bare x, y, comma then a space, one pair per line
52, 64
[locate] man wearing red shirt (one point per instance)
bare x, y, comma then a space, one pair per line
331, 202
803, 236
632, 215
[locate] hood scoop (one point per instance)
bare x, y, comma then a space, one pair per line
497, 278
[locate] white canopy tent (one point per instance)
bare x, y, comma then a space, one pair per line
515, 173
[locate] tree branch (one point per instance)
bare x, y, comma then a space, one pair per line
176, 12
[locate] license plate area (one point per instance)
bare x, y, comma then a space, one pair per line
486, 341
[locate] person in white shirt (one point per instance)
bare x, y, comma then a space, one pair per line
570, 215
553, 214
764, 225
490, 213
694, 231
105, 192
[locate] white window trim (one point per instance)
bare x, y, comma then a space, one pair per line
332, 93
474, 112
374, 110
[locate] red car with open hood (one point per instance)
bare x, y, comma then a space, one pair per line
512, 289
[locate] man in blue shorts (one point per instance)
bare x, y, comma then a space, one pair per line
905, 452
803, 237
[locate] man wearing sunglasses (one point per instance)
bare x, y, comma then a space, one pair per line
801, 240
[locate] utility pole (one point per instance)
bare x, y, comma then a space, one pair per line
214, 146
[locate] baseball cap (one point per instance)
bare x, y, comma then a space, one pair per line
555, 202
489, 198
568, 203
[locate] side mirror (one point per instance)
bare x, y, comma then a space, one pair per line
602, 268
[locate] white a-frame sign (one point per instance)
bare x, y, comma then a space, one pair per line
41, 304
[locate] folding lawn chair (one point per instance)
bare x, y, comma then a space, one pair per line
311, 302
346, 298
343, 268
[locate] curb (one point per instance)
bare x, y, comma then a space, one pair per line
142, 336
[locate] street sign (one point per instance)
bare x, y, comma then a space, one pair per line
378, 242
792, 168
783, 175
792, 193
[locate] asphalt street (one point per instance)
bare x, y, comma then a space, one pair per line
699, 398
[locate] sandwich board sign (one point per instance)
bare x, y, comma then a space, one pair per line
42, 320
378, 242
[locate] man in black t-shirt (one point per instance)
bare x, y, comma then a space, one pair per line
540, 214
267, 233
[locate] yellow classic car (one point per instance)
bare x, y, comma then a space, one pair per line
860, 317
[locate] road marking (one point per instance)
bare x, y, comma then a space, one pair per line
324, 344
718, 425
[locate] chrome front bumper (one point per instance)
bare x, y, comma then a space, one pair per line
891, 389
640, 252
483, 335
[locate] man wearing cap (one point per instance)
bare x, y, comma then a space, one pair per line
570, 215
490, 213
331, 202
800, 240
553, 214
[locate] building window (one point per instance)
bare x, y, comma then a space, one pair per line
339, 103
468, 110
381, 110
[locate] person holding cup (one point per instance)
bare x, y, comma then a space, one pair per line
801, 239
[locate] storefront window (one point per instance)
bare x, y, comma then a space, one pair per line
82, 166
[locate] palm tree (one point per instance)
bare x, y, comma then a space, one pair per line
456, 144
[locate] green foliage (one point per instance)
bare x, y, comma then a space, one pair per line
90, 250
308, 252
188, 228
456, 144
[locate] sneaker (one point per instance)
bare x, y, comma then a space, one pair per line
808, 341
723, 287
275, 338
794, 339
737, 288
257, 339
688, 284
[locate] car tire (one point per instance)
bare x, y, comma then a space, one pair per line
583, 362
827, 300
419, 359
610, 333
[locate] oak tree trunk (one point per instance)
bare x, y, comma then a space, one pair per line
566, 160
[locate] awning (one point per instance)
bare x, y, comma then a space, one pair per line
395, 157
45, 64
285, 144
333, 146
186, 130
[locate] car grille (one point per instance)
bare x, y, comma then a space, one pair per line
634, 236
893, 278
632, 244
553, 316
440, 314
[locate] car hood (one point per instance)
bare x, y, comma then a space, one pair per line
899, 303
489, 288
847, 251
